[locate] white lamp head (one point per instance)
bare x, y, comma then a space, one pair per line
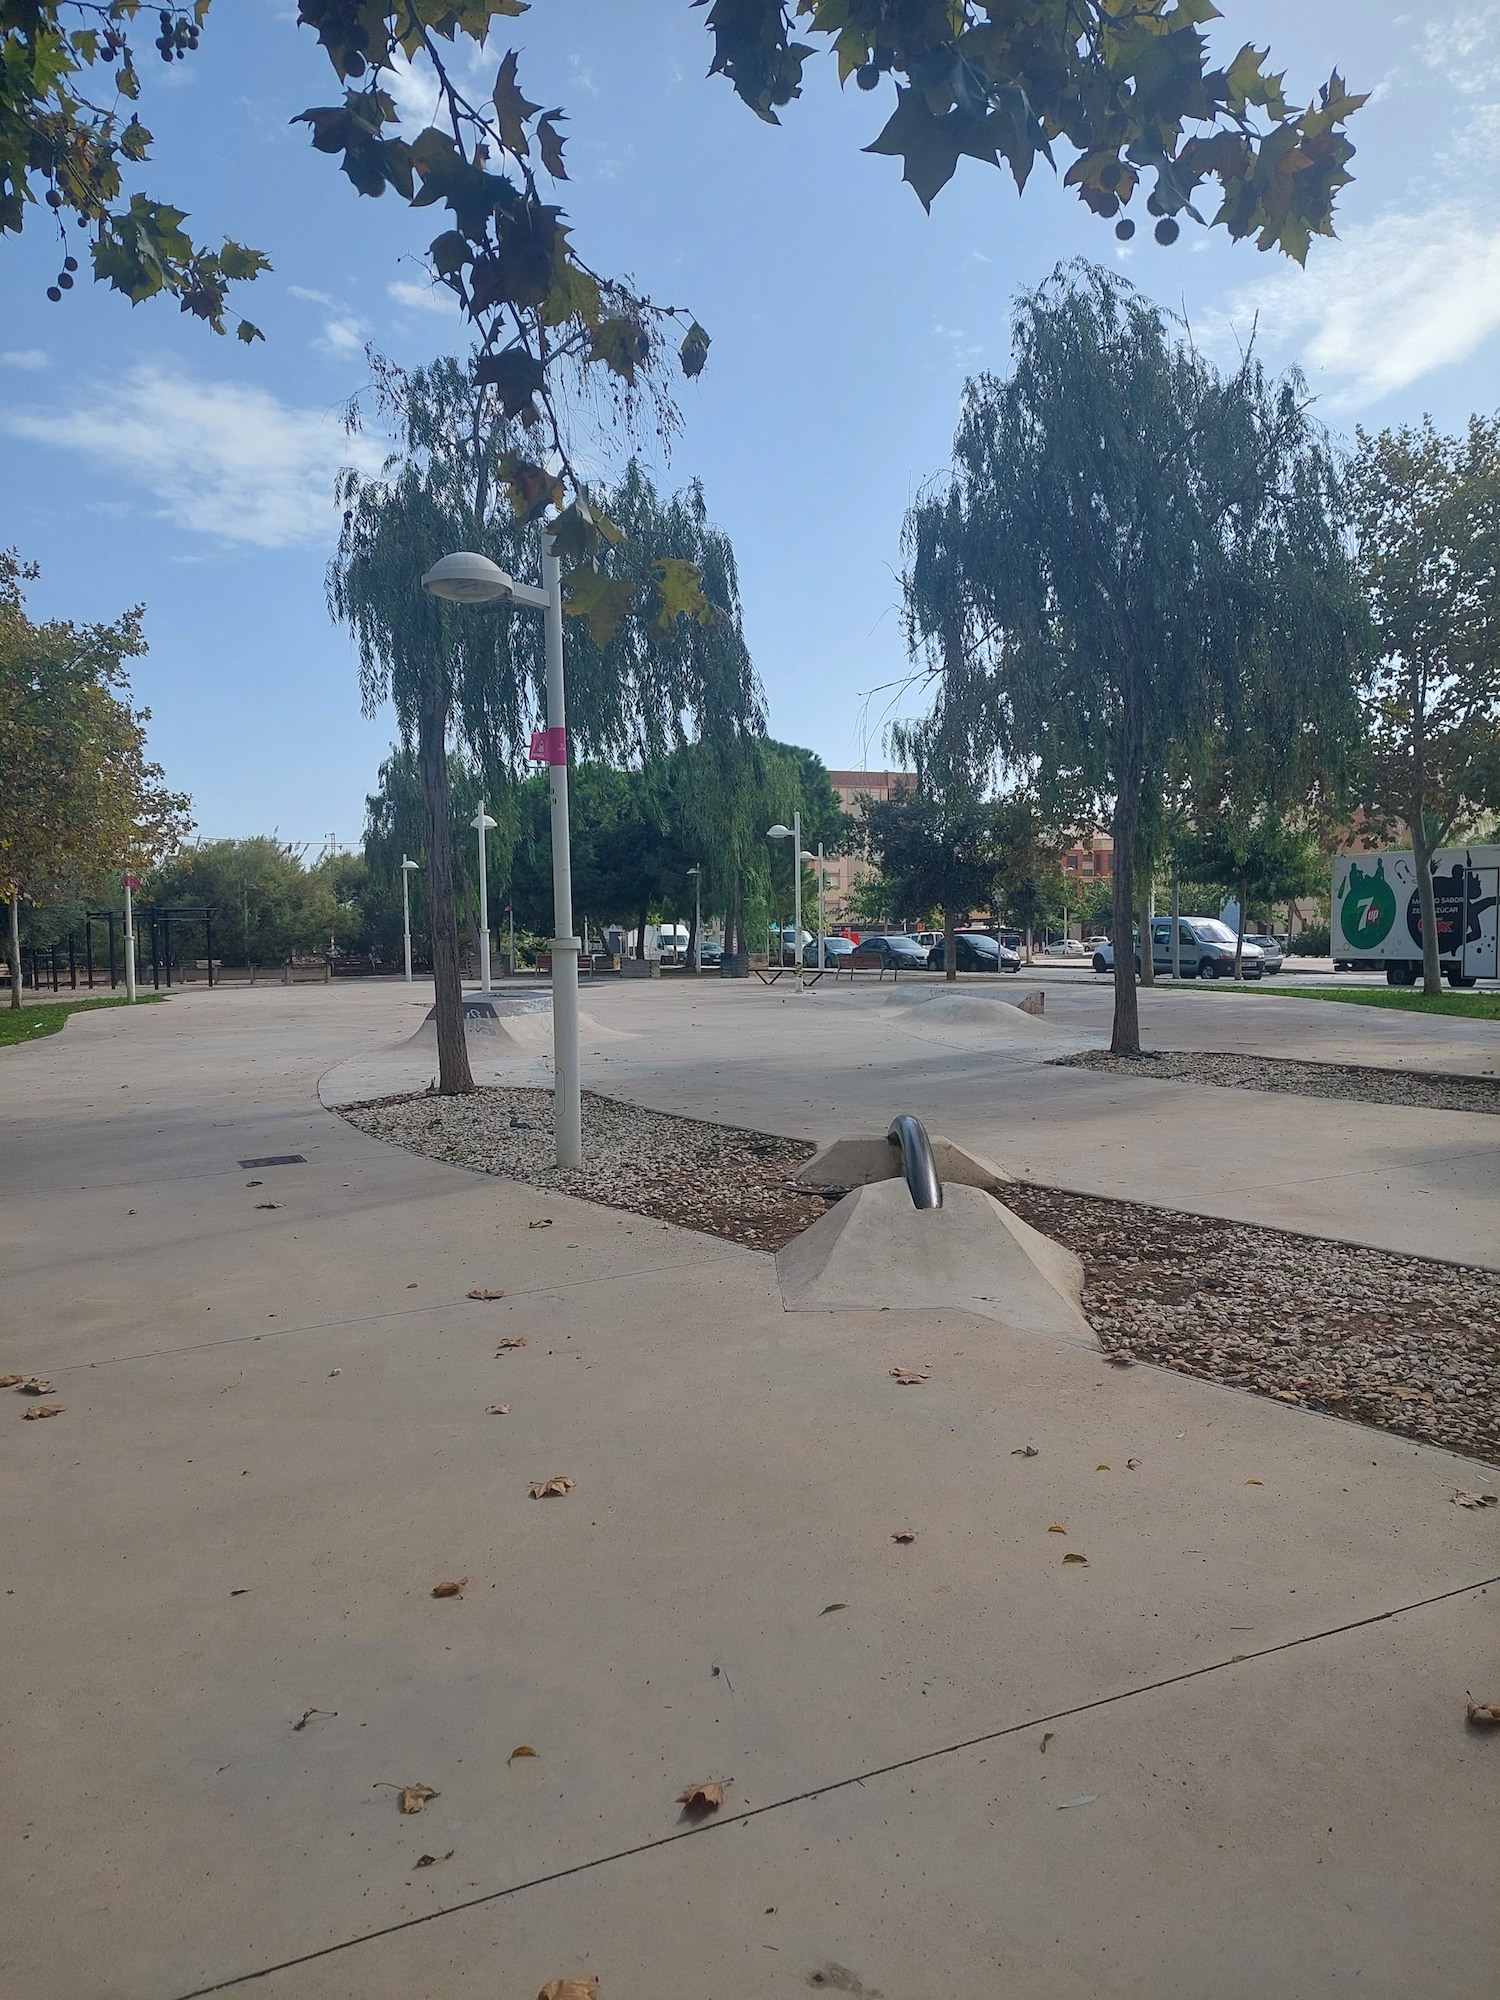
808, 857
411, 867
466, 578
481, 822
778, 832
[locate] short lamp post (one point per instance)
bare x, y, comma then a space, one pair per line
793, 833
697, 875
473, 579
483, 824
132, 883
408, 869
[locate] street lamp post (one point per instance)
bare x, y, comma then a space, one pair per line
697, 875
132, 883
510, 911
483, 824
817, 860
408, 869
793, 833
466, 578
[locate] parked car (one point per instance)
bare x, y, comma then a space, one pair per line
1205, 948
836, 950
1065, 948
897, 951
1272, 957
975, 951
710, 951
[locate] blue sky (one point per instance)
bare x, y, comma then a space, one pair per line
146, 461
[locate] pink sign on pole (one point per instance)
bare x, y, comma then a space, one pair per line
549, 746
132, 881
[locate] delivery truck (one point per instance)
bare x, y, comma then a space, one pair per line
1377, 914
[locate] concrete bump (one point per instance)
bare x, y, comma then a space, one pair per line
856, 1162
971, 1255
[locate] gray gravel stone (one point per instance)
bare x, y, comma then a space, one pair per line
1353, 1082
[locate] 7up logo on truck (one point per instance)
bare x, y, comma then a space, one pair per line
1367, 907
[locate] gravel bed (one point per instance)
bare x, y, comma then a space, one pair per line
1350, 1081
1403, 1343
717, 1178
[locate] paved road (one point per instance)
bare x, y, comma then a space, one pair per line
987, 1770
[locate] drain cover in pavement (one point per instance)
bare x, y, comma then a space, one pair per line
278, 1160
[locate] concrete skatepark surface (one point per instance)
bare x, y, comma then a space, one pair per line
275, 1441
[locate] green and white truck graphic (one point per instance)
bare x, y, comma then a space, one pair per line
1377, 913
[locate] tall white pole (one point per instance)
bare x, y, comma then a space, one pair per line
406, 916
797, 896
567, 1081
697, 920
820, 906
481, 821
510, 911
129, 945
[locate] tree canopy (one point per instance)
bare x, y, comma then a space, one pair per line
1128, 90
79, 797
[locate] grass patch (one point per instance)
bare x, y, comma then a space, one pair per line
29, 1024
1471, 1006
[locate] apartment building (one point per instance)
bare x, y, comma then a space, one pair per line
845, 870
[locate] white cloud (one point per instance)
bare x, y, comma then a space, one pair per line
424, 298
25, 357
341, 336
315, 298
1390, 302
219, 458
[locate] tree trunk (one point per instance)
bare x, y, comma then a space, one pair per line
1125, 1040
454, 1075
1422, 850
692, 945
640, 938
1239, 936
13, 948
950, 949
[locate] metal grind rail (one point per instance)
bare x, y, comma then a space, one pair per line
922, 1182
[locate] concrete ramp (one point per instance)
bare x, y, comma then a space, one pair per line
852, 1163
1009, 1016
972, 1255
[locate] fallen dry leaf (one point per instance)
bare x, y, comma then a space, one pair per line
35, 1385
1047, 1736
904, 1535
1483, 1714
906, 1376
1073, 1557
570, 1989
1286, 1396
269, 1204
456, 1588
1024, 1451
42, 1410
1462, 1499
414, 1797
1132, 1465
1255, 1482
521, 1750
486, 1295
498, 1410
9, 1381
545, 1223
705, 1798
307, 1713
1056, 1530
543, 1489
1121, 1358
511, 1340
1084, 1799
840, 1605
1101, 1468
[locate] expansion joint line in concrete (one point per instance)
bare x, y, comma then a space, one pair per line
834, 1785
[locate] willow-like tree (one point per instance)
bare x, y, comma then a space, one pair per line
1427, 529
477, 675
1133, 555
